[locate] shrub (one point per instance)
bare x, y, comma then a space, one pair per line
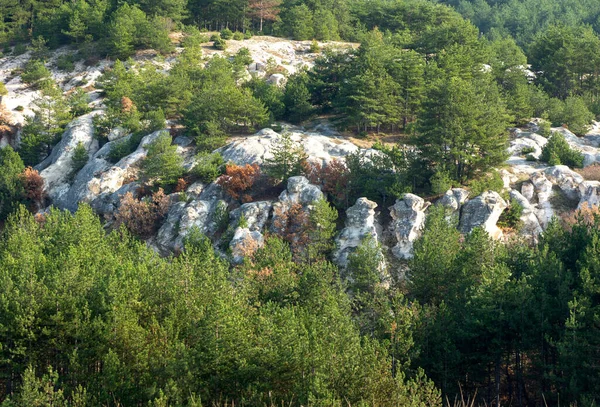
247, 35
33, 189
162, 164
511, 217
440, 182
215, 37
79, 159
489, 182
142, 217
527, 150
79, 102
557, 151
239, 179
35, 73
314, 47
3, 90
591, 172
65, 63
121, 148
19, 49
238, 36
220, 44
287, 161
19, 108
545, 129
333, 179
209, 166
226, 34
530, 157
193, 37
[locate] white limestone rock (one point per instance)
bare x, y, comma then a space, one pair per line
590, 194
244, 243
360, 223
483, 211
408, 216
453, 199
566, 179
299, 191
56, 168
531, 224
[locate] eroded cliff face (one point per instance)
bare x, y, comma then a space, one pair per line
541, 190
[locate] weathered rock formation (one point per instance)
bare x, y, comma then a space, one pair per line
483, 211
408, 216
360, 223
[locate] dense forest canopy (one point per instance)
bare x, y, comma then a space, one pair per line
90, 315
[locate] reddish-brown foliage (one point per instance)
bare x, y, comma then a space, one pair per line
590, 173
181, 185
142, 217
293, 226
7, 127
585, 215
238, 179
33, 188
127, 105
333, 179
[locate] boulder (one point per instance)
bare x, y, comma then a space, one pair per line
256, 215
244, 243
277, 79
99, 179
531, 224
453, 199
56, 168
528, 191
566, 179
543, 191
483, 211
408, 219
299, 192
360, 223
590, 194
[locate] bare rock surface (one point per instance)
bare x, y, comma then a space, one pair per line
408, 220
483, 211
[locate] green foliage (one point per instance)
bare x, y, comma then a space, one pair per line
440, 182
488, 182
573, 113
287, 160
3, 90
511, 216
162, 165
66, 63
220, 44
238, 36
209, 166
11, 188
557, 151
79, 159
79, 102
323, 219
296, 98
226, 34
36, 74
193, 37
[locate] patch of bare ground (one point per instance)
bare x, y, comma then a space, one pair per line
387, 139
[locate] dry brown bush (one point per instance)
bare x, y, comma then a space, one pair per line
7, 126
238, 179
142, 217
33, 187
333, 179
127, 105
586, 215
591, 172
293, 226
181, 185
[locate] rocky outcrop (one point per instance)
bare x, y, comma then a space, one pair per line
408, 219
531, 224
590, 194
360, 223
258, 148
99, 180
255, 215
566, 179
543, 192
56, 168
300, 192
483, 211
244, 243
454, 199
184, 216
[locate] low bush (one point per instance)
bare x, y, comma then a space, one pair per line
214, 37
511, 217
527, 150
66, 63
591, 172
557, 151
220, 44
489, 182
440, 182
238, 36
209, 166
142, 217
35, 73
238, 180
226, 34
79, 159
